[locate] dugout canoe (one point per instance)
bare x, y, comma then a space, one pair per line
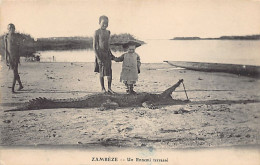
245, 70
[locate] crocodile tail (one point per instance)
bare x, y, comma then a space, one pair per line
34, 104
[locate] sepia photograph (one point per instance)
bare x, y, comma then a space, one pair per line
118, 82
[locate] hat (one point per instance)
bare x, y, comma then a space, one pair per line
128, 43
131, 42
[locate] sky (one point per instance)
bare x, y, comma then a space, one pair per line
145, 19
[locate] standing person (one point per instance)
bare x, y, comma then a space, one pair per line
130, 67
103, 53
13, 43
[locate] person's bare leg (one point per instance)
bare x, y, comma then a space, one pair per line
109, 81
103, 89
15, 71
132, 89
14, 81
19, 81
127, 87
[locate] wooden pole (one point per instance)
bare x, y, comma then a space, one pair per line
185, 91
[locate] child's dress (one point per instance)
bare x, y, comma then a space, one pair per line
130, 67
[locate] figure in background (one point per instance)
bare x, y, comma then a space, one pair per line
103, 55
13, 43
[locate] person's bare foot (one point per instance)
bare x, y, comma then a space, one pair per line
20, 88
111, 91
103, 90
132, 92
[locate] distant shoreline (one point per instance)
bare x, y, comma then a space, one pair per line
247, 37
31, 45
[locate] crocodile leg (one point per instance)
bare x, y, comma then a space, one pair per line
149, 104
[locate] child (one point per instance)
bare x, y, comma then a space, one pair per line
103, 53
12, 43
130, 67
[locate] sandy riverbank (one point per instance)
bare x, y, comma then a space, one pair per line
205, 125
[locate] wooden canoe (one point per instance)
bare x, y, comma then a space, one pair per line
245, 70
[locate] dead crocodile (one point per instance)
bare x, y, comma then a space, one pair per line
97, 100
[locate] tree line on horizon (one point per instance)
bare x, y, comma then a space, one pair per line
247, 37
30, 45
27, 48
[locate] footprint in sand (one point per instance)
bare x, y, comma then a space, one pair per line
181, 111
7, 121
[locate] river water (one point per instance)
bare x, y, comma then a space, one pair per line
157, 51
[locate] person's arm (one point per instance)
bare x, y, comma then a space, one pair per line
95, 46
138, 63
119, 59
110, 53
6, 51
